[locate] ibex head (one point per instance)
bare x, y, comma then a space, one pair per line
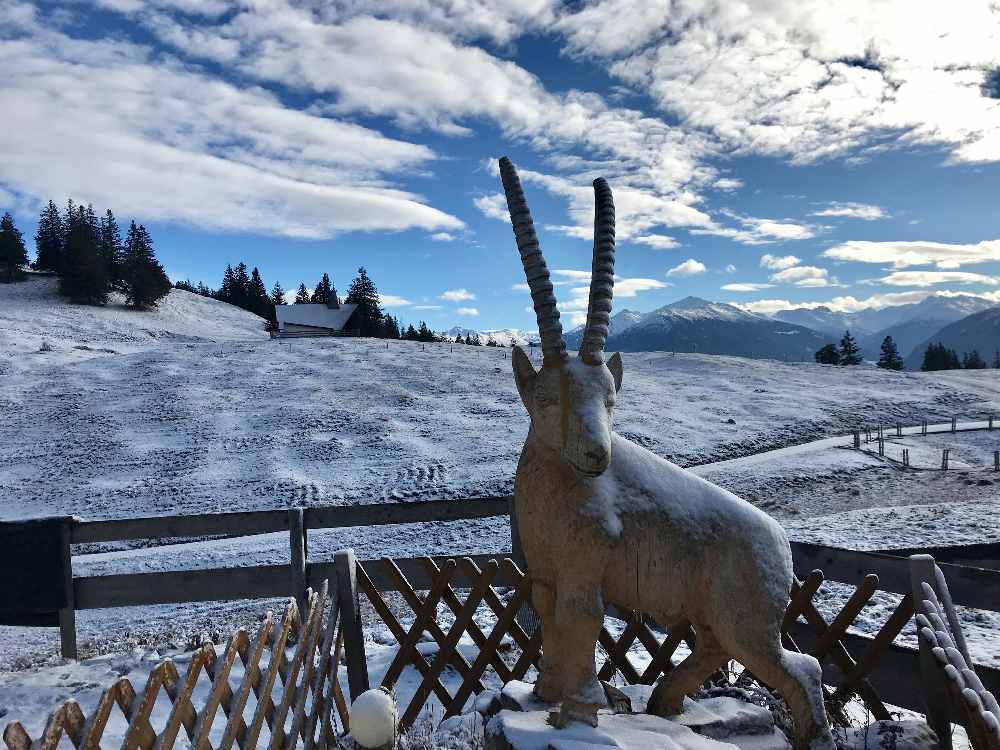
571, 402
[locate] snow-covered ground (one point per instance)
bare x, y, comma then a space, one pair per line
191, 408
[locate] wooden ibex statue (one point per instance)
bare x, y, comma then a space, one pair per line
604, 521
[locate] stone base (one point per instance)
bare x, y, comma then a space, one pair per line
711, 724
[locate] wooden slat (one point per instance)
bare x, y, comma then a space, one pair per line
219, 584
182, 713
270, 521
866, 664
140, 733
236, 727
170, 527
446, 648
219, 672
265, 703
291, 678
321, 707
313, 637
342, 516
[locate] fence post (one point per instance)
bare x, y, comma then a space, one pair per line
881, 446
954, 424
857, 439
906, 457
298, 555
989, 425
899, 429
934, 692
67, 615
350, 618
996, 460
923, 427
944, 458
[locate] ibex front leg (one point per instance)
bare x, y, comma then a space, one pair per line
579, 616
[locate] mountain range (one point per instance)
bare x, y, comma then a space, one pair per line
979, 331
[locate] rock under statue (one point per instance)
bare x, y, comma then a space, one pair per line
604, 521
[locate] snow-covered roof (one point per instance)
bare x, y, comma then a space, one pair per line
318, 315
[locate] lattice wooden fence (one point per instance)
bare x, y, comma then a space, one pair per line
805, 629
292, 696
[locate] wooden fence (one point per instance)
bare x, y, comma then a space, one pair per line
289, 700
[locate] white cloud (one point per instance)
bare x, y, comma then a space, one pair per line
758, 231
906, 254
470, 311
728, 183
493, 206
747, 287
810, 79
809, 276
632, 286
853, 304
930, 278
778, 263
391, 300
443, 237
457, 295
730, 268
659, 241
427, 307
848, 210
161, 141
690, 267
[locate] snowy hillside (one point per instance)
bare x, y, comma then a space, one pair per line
619, 323
32, 312
502, 336
980, 332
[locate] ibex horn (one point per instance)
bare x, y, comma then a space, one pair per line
602, 279
535, 270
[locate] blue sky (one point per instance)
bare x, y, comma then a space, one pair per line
769, 153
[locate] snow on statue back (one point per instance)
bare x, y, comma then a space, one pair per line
604, 521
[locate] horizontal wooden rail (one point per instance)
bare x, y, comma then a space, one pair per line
224, 584
269, 521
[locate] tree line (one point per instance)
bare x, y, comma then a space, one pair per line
936, 357
90, 257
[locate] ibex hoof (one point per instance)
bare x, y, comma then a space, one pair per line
661, 704
547, 688
585, 713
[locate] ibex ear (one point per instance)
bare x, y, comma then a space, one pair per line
617, 369
524, 376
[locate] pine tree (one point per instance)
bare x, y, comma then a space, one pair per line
390, 327
458, 339
996, 360
49, 239
84, 277
952, 359
468, 339
257, 300
828, 355
225, 293
325, 293
112, 251
850, 352
241, 286
974, 361
302, 295
890, 359
476, 340
368, 314
13, 254
424, 333
68, 222
143, 279
278, 294
411, 333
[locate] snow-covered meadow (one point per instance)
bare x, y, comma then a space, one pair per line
193, 409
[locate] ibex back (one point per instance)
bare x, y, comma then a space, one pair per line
604, 521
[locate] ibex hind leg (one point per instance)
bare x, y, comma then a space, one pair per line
550, 685
798, 678
668, 696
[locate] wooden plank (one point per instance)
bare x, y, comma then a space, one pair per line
970, 587
167, 527
297, 555
172, 587
342, 516
345, 573
67, 613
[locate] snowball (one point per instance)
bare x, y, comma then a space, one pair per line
373, 719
